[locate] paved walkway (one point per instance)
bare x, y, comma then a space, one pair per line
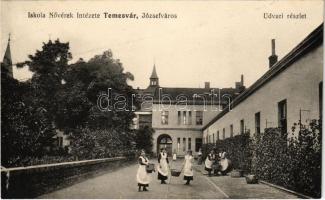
122, 184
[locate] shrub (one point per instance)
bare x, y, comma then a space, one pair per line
293, 162
102, 143
237, 149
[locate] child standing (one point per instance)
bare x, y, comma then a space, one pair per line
143, 177
188, 167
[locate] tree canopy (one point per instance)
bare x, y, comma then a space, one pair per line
64, 96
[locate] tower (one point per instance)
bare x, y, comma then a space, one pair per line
7, 62
154, 80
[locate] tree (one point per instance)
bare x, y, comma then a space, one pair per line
49, 67
91, 127
85, 82
25, 130
144, 139
29, 109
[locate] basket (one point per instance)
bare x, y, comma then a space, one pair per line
251, 179
237, 173
150, 168
175, 172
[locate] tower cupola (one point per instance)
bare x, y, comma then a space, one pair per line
154, 80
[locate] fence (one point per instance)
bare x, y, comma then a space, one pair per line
32, 181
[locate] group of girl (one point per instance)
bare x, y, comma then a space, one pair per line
144, 178
212, 162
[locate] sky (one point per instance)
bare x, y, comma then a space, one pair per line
210, 41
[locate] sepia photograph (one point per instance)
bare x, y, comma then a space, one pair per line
168, 99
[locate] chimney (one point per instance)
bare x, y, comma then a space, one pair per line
242, 79
273, 58
207, 85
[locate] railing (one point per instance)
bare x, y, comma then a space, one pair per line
32, 181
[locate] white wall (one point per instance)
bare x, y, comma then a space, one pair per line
298, 84
175, 130
208, 114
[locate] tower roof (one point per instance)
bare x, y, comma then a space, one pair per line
7, 61
154, 73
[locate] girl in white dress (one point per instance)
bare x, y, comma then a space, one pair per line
143, 177
209, 162
163, 166
188, 167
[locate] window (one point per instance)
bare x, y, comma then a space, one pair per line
184, 117
231, 130
60, 141
242, 126
258, 123
184, 144
179, 117
164, 117
189, 144
199, 117
145, 120
190, 117
218, 137
178, 144
223, 133
198, 144
282, 115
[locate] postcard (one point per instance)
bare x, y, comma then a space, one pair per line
161, 99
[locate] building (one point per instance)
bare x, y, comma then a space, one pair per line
178, 114
289, 92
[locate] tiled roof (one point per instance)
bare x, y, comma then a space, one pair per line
193, 95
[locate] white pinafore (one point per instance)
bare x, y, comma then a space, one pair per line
142, 176
208, 163
163, 165
188, 171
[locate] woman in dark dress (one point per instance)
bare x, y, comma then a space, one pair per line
163, 166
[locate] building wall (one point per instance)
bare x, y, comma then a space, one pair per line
65, 141
208, 113
141, 119
178, 133
298, 84
176, 130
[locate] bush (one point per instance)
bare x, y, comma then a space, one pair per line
237, 149
293, 162
101, 143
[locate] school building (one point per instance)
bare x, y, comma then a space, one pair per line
178, 114
289, 92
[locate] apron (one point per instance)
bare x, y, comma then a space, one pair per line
174, 156
188, 171
142, 176
163, 165
208, 163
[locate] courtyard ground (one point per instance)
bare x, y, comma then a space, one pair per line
121, 184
